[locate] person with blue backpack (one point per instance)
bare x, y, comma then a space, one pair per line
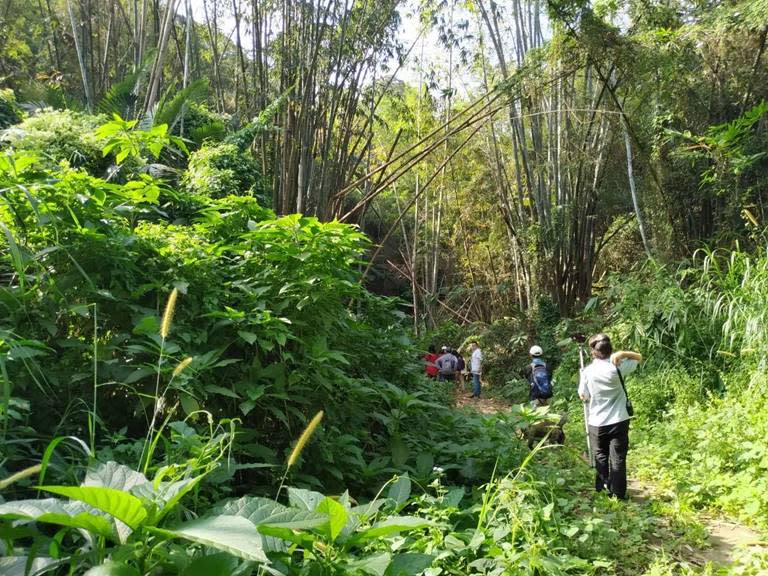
539, 378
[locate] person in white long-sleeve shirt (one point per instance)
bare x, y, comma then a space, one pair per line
476, 367
608, 422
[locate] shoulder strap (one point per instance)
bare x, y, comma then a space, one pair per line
621, 379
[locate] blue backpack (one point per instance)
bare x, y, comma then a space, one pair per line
542, 386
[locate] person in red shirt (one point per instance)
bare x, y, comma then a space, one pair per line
429, 359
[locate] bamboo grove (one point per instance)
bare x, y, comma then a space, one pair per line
498, 153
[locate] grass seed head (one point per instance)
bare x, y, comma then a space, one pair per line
165, 326
304, 438
181, 366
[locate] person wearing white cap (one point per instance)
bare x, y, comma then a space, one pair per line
539, 378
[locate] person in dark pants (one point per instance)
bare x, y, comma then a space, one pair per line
608, 421
611, 444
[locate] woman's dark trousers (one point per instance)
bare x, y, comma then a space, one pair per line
610, 444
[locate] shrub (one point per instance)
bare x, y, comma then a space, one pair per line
202, 125
220, 170
61, 135
9, 111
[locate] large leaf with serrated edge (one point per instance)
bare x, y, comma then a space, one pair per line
232, 534
113, 475
55, 511
116, 503
263, 512
392, 525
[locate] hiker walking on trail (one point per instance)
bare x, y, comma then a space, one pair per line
429, 362
446, 365
476, 367
602, 387
539, 378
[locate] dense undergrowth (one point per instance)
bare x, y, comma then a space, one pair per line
163, 344
704, 389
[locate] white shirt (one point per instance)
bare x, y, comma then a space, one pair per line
476, 362
601, 386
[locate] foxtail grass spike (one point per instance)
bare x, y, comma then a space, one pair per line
165, 326
181, 366
304, 438
31, 471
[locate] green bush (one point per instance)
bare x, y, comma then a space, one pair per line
712, 455
219, 170
62, 135
264, 309
9, 111
701, 397
202, 125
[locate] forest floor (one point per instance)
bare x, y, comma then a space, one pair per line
724, 536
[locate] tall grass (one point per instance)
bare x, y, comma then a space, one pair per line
159, 399
703, 418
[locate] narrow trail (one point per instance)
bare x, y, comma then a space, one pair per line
725, 537
484, 404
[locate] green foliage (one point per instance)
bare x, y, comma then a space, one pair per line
273, 306
219, 170
61, 135
712, 455
170, 111
122, 137
9, 111
702, 394
201, 124
731, 149
261, 125
120, 99
528, 522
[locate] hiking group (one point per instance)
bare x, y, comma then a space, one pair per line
449, 366
607, 408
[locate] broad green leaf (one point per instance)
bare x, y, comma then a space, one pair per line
147, 325
337, 517
278, 532
375, 565
17, 565
55, 511
393, 525
232, 534
112, 569
171, 494
425, 462
113, 475
569, 531
249, 337
400, 490
304, 499
265, 511
221, 563
409, 564
399, 450
221, 391
189, 404
24, 352
454, 496
122, 505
